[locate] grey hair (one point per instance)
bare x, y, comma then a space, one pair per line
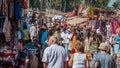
54, 38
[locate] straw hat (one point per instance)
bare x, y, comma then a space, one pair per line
103, 46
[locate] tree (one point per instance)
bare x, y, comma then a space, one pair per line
97, 3
63, 5
116, 5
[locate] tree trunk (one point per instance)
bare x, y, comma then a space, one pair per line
64, 5
60, 5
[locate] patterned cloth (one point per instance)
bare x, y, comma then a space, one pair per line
21, 57
94, 47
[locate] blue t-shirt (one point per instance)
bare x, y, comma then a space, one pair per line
44, 36
32, 47
117, 39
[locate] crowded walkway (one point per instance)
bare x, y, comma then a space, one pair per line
37, 41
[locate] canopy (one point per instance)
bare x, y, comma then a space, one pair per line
76, 20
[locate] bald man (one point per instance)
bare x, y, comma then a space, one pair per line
54, 56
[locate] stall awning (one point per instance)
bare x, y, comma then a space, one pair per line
76, 20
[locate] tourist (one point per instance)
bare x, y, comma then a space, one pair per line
78, 59
103, 59
33, 31
23, 57
117, 44
44, 35
93, 43
54, 56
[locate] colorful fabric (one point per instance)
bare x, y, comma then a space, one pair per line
8, 31
18, 11
73, 42
94, 47
11, 10
22, 56
26, 34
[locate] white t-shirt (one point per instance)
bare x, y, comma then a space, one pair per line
33, 31
63, 36
55, 56
79, 60
68, 37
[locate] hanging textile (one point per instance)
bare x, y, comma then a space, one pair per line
91, 11
0, 4
18, 11
8, 31
112, 27
4, 25
11, 10
25, 4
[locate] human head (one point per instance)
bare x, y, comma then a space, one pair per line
118, 31
21, 43
52, 40
103, 47
44, 27
78, 46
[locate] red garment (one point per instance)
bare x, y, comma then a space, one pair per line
74, 14
25, 4
64, 25
72, 51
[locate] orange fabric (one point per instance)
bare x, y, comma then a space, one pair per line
73, 42
8, 29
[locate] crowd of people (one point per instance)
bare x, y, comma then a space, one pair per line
60, 45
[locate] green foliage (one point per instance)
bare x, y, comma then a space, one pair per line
66, 5
116, 5
97, 3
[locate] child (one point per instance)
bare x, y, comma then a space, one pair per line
78, 59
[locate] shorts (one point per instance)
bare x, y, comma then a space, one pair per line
116, 48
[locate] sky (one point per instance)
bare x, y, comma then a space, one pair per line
111, 3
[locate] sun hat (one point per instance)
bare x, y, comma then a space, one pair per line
103, 46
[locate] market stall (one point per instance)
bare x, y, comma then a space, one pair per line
76, 20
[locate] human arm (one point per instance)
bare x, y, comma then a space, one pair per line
26, 63
70, 63
89, 41
87, 63
45, 58
44, 65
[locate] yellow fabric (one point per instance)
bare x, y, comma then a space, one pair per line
73, 42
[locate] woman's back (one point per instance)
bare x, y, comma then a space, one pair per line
79, 60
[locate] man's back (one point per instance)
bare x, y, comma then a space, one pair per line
55, 56
104, 60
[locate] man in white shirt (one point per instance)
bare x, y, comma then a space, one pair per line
33, 31
54, 56
67, 36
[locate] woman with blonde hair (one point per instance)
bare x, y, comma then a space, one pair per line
78, 59
117, 43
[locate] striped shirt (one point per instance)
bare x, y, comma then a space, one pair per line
104, 60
